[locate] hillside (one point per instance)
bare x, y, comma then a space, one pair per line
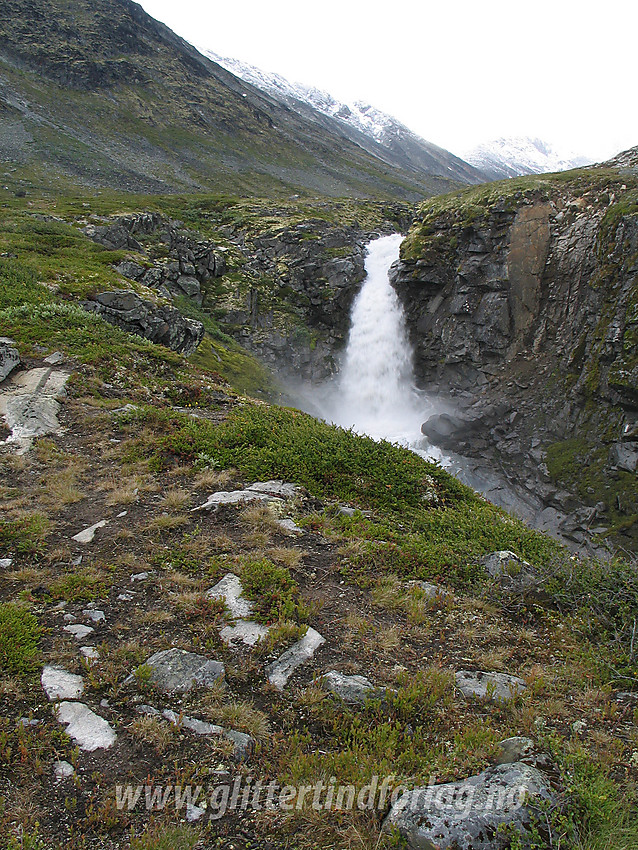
393, 641
364, 123
103, 94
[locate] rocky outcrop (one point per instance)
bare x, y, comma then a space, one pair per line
160, 324
9, 357
521, 304
187, 262
483, 812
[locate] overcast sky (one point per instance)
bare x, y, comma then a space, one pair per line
456, 72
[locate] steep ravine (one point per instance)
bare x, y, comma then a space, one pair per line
522, 303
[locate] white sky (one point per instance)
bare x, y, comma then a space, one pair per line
457, 72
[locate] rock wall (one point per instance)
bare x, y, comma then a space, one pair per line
522, 306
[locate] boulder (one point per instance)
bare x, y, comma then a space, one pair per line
176, 670
514, 749
9, 357
512, 572
474, 814
30, 405
160, 324
351, 689
492, 686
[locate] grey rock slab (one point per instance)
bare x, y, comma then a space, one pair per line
161, 324
243, 631
54, 359
79, 631
353, 689
29, 404
199, 727
278, 489
243, 744
60, 684
94, 614
176, 670
514, 749
9, 357
62, 770
492, 686
282, 669
87, 535
467, 815
289, 526
232, 497
89, 731
230, 590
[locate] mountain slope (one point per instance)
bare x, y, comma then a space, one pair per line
519, 155
102, 92
360, 121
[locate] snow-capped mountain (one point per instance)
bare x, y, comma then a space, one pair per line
358, 120
519, 155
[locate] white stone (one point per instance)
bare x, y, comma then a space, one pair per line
243, 631
121, 514
88, 534
79, 631
125, 597
89, 731
230, 590
90, 653
282, 669
62, 770
5, 563
139, 576
60, 684
234, 497
96, 615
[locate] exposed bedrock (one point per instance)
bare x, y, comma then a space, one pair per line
522, 307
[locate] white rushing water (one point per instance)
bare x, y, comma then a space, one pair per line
375, 391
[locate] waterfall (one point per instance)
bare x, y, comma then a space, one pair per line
375, 391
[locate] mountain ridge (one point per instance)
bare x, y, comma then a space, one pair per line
106, 94
411, 149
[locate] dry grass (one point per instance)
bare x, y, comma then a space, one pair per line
125, 491
61, 488
389, 639
154, 617
10, 687
175, 499
182, 580
152, 730
290, 557
164, 522
240, 715
210, 479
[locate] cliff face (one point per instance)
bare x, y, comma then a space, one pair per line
522, 303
